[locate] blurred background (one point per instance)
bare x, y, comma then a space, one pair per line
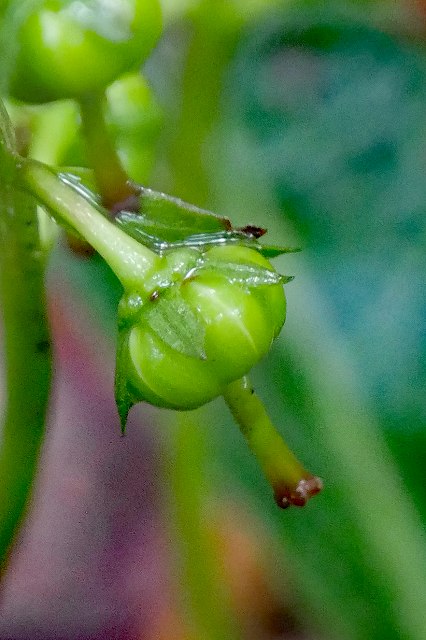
308, 118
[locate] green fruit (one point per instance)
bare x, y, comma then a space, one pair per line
132, 110
68, 48
213, 319
134, 120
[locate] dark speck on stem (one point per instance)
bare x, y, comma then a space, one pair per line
43, 346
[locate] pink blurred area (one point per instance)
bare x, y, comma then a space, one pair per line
91, 560
97, 557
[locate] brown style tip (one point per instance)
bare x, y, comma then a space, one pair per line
299, 495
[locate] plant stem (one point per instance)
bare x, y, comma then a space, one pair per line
112, 180
216, 26
205, 599
26, 345
130, 260
291, 483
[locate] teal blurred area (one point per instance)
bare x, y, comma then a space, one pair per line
335, 112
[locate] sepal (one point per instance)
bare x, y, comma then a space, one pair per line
164, 223
199, 228
156, 214
176, 323
123, 396
271, 251
249, 275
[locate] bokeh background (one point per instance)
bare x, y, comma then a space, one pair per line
308, 118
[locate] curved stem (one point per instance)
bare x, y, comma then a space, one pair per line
26, 346
111, 177
70, 204
291, 483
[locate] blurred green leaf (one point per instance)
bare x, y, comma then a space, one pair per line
337, 109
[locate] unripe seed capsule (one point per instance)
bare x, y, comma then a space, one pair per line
207, 328
68, 48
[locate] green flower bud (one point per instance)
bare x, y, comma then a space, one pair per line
211, 316
68, 48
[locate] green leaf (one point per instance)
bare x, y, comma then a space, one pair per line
271, 251
168, 218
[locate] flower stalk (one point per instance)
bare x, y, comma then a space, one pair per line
111, 178
291, 483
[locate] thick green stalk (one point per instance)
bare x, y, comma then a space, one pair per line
26, 345
130, 260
